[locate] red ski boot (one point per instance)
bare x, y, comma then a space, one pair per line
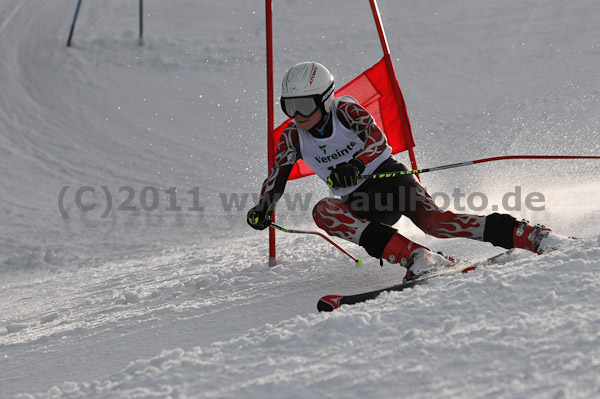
419, 260
538, 238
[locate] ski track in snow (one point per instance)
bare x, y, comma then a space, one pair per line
484, 334
182, 304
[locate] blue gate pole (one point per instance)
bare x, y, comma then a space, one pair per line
73, 24
141, 22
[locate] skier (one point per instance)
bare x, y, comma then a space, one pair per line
340, 140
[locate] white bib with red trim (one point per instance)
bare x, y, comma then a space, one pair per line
322, 155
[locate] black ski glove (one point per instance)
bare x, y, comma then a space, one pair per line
259, 217
346, 174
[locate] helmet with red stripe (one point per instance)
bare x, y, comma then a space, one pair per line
307, 87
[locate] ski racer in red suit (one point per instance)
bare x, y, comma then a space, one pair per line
340, 141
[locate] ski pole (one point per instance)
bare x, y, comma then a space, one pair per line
357, 261
391, 174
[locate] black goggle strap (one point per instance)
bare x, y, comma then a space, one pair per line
328, 92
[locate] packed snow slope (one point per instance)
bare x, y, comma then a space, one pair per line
126, 266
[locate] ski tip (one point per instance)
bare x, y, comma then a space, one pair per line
329, 303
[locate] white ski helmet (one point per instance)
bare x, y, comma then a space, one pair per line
306, 87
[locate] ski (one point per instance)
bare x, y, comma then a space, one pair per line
329, 303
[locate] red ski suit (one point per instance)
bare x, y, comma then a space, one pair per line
365, 216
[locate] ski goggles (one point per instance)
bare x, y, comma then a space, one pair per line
305, 105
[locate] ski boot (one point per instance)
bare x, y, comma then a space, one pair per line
538, 238
423, 261
419, 260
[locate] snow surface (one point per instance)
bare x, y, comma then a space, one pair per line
165, 303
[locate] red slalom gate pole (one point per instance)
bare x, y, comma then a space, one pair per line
270, 115
392, 73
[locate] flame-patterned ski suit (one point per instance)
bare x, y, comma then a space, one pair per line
364, 217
